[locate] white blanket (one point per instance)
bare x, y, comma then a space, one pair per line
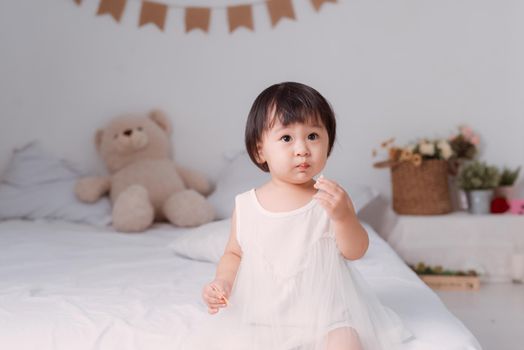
67, 286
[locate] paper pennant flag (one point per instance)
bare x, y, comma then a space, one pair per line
153, 12
240, 16
317, 4
114, 7
197, 18
280, 9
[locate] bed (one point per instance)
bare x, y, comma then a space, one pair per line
75, 286
66, 285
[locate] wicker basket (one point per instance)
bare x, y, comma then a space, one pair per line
421, 190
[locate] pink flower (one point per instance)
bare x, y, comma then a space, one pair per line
475, 140
466, 131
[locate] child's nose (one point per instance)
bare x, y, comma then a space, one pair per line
301, 149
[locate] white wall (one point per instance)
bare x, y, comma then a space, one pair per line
403, 68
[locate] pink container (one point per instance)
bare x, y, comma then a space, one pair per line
516, 206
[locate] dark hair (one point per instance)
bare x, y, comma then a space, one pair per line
292, 103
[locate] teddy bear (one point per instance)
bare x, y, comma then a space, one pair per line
145, 184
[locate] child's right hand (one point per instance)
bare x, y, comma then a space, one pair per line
216, 295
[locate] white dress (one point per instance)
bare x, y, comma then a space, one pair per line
293, 287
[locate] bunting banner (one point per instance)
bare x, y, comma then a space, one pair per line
240, 16
317, 4
199, 17
153, 12
280, 9
113, 7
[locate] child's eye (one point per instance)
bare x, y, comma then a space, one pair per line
313, 136
286, 138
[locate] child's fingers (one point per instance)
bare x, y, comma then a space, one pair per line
325, 204
212, 310
325, 198
218, 289
212, 291
219, 293
329, 186
213, 300
209, 294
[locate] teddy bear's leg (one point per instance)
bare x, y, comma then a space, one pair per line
132, 210
188, 208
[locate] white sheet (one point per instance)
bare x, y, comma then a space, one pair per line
68, 286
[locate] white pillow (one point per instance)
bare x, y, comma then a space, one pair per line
37, 185
240, 175
361, 195
204, 243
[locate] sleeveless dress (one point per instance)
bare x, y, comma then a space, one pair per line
293, 287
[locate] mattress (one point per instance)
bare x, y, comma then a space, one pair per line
71, 286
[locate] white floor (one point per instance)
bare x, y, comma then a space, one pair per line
494, 314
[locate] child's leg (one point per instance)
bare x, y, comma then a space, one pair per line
344, 338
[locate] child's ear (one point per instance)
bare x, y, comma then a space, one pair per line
260, 155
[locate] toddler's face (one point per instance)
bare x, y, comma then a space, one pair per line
296, 152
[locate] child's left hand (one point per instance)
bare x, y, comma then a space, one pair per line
334, 199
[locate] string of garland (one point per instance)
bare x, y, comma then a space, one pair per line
198, 16
213, 7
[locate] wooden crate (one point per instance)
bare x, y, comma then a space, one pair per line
443, 282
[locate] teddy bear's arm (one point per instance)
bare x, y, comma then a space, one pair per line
195, 180
90, 189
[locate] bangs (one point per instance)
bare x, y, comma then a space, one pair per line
285, 118
288, 114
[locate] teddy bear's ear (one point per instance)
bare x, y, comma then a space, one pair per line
98, 138
161, 119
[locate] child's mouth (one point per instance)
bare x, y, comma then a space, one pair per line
303, 166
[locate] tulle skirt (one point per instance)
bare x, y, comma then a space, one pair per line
311, 305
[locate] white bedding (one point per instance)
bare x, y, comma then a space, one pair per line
69, 286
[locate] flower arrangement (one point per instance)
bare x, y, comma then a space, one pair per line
425, 190
478, 175
456, 149
465, 143
508, 176
415, 153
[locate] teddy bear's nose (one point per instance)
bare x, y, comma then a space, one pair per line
128, 132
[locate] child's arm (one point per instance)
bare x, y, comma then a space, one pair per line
352, 239
217, 292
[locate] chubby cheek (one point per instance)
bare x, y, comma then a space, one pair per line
282, 161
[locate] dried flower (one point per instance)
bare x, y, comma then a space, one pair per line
411, 147
387, 142
465, 144
466, 131
427, 148
416, 159
406, 155
445, 149
394, 153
